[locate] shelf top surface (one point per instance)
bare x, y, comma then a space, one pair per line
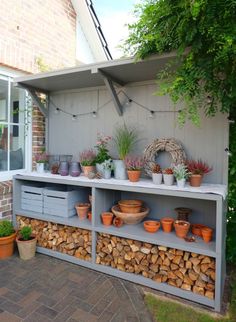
205, 191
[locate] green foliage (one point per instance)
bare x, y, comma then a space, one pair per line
6, 228
26, 232
202, 32
125, 140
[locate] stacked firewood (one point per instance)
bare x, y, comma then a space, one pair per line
182, 269
65, 239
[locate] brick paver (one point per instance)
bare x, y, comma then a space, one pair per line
47, 289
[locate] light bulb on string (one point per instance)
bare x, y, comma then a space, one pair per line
74, 117
151, 114
128, 102
94, 114
57, 110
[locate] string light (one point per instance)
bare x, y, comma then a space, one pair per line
94, 114
74, 117
57, 110
151, 114
228, 152
128, 102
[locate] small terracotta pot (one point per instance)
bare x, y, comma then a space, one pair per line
207, 234
7, 246
181, 228
82, 210
134, 175
87, 169
117, 222
107, 218
197, 229
167, 224
151, 226
90, 215
195, 180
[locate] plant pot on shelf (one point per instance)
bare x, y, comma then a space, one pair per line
151, 226
7, 246
181, 183
118, 222
181, 228
90, 215
167, 224
40, 167
168, 179
107, 218
134, 175
183, 213
207, 234
119, 170
87, 169
157, 178
130, 206
195, 180
82, 210
26, 248
197, 229
106, 174
99, 169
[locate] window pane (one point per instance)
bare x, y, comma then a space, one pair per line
17, 105
3, 100
3, 147
17, 144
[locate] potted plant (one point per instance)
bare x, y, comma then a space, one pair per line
7, 237
125, 139
41, 158
197, 169
168, 176
157, 174
87, 160
107, 166
26, 243
102, 152
134, 165
181, 173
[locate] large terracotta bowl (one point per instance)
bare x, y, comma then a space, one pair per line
130, 206
130, 218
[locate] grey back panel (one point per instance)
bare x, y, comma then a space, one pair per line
71, 137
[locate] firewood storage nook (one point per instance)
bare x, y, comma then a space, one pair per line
83, 101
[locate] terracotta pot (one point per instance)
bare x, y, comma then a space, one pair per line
183, 213
117, 222
195, 180
167, 224
26, 248
107, 218
7, 246
90, 215
151, 226
207, 234
134, 175
87, 169
130, 206
181, 228
197, 229
82, 210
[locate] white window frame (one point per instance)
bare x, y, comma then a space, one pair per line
7, 175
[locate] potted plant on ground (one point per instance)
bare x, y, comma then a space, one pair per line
181, 173
198, 169
157, 174
168, 176
102, 152
134, 165
26, 243
7, 237
41, 158
125, 139
87, 160
107, 166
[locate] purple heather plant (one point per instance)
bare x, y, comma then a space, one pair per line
41, 157
134, 162
87, 158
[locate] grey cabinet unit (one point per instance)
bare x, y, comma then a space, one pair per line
208, 208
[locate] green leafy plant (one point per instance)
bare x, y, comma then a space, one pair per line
26, 232
181, 171
125, 140
87, 158
102, 149
6, 228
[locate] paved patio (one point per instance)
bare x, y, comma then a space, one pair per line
48, 289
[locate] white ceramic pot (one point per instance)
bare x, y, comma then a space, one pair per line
157, 178
119, 170
168, 179
40, 167
181, 183
107, 174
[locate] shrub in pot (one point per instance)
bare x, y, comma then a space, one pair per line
40, 159
197, 169
7, 238
168, 176
87, 161
26, 243
156, 174
181, 173
102, 152
134, 165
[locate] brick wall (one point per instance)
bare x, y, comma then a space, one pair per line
5, 200
38, 132
37, 29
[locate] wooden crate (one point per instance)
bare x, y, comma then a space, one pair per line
32, 198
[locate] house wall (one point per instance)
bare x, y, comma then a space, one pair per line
32, 30
70, 137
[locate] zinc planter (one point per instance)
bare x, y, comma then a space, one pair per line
26, 248
7, 246
181, 183
119, 170
107, 174
99, 168
40, 167
157, 178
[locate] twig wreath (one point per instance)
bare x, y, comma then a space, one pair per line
170, 145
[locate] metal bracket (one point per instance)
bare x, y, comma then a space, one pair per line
32, 91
